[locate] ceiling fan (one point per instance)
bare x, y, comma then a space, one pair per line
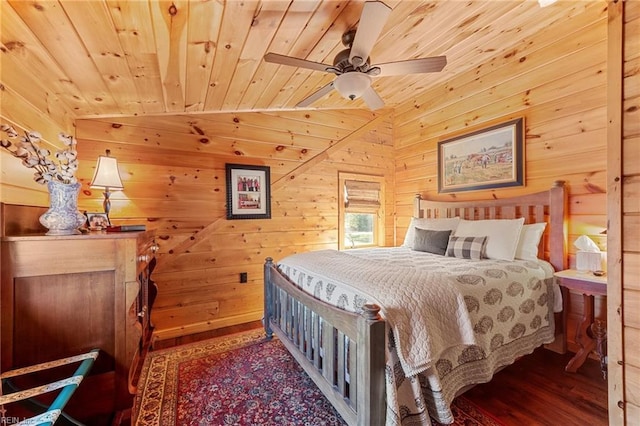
352, 65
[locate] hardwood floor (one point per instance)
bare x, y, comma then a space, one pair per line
537, 391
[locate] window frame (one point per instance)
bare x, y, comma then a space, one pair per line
379, 212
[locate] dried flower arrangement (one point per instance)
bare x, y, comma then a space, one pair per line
61, 169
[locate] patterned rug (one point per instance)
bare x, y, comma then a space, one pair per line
241, 379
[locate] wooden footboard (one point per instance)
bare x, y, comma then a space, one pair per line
343, 352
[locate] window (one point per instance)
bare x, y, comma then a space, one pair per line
359, 229
361, 215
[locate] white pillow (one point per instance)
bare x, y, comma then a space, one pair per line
502, 235
439, 224
529, 241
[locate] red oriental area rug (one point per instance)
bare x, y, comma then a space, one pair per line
241, 379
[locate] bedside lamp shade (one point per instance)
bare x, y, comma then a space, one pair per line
107, 177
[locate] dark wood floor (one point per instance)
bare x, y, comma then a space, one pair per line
537, 391
534, 391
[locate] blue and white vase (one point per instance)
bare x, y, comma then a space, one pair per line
63, 217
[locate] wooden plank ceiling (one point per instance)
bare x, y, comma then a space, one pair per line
180, 66
134, 58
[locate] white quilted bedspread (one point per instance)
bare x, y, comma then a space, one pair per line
419, 295
406, 296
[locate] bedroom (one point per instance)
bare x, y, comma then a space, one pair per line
555, 73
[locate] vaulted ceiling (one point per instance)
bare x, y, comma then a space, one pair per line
103, 58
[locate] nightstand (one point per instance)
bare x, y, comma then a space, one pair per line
589, 285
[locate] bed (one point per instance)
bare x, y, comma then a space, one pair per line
393, 335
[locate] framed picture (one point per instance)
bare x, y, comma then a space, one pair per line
97, 221
248, 192
485, 159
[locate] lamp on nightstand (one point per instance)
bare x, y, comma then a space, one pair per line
107, 177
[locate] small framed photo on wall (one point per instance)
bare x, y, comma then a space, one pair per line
248, 192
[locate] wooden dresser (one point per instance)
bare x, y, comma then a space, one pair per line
62, 296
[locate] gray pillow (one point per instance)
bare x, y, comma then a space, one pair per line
431, 241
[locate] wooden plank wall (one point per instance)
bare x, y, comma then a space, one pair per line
181, 193
629, 219
174, 180
557, 82
615, 183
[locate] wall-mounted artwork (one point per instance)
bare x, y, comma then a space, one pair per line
488, 158
248, 192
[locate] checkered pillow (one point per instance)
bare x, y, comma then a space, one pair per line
467, 247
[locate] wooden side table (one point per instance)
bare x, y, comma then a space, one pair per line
589, 286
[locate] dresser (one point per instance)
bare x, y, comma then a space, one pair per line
65, 295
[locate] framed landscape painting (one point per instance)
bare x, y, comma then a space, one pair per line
485, 159
248, 192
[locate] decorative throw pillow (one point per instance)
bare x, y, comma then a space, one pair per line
431, 241
502, 235
529, 241
466, 247
437, 224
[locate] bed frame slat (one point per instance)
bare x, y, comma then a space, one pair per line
295, 323
316, 341
341, 367
352, 368
328, 352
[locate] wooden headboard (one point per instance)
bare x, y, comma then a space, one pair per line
547, 206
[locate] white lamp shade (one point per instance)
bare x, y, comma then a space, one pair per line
107, 174
352, 85
545, 3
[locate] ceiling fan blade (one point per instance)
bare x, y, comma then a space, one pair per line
374, 16
413, 66
315, 96
295, 62
372, 99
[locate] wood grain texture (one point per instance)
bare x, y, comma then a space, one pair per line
84, 298
554, 98
536, 390
626, 216
182, 196
110, 57
624, 394
174, 100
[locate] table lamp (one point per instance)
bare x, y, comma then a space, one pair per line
107, 177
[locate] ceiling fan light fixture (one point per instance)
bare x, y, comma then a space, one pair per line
352, 85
